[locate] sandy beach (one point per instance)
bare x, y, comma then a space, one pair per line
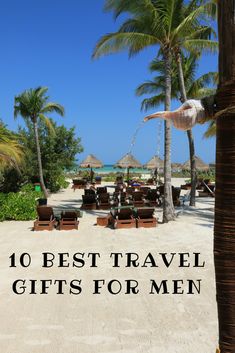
106, 322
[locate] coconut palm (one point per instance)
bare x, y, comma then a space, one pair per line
224, 229
32, 105
11, 152
164, 24
195, 88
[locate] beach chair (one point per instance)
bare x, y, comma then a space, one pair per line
69, 220
153, 198
89, 192
138, 198
145, 218
45, 220
119, 197
79, 184
101, 190
104, 201
176, 196
124, 218
129, 190
144, 190
89, 202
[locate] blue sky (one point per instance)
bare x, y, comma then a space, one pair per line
49, 43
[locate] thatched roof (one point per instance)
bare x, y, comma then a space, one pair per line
176, 166
128, 161
154, 163
200, 165
91, 162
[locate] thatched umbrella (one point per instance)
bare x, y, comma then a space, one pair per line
176, 166
91, 162
128, 161
200, 165
154, 163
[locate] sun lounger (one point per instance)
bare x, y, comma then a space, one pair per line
153, 198
124, 218
138, 198
46, 219
89, 202
101, 190
176, 196
145, 218
68, 220
89, 192
104, 201
79, 184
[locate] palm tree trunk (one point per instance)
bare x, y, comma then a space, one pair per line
224, 230
39, 160
168, 207
189, 135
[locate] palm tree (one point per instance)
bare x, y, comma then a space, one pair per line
32, 105
195, 88
224, 229
11, 152
164, 24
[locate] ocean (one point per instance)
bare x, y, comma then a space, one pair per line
109, 168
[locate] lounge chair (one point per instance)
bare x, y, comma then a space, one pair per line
176, 196
119, 197
89, 202
138, 198
153, 198
129, 190
144, 190
124, 218
145, 218
69, 220
104, 201
101, 190
45, 220
79, 184
89, 192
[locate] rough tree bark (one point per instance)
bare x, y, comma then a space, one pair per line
39, 159
224, 231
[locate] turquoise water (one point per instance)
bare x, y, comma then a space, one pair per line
109, 168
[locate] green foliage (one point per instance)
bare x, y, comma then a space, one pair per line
58, 152
19, 206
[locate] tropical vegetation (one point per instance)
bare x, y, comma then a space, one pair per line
172, 26
33, 105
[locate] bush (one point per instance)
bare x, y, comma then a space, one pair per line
19, 206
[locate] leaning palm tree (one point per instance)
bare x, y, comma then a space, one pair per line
156, 23
32, 105
11, 152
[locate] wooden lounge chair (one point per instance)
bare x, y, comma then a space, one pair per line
69, 220
101, 190
144, 190
138, 199
124, 219
79, 184
89, 192
104, 201
119, 197
46, 219
153, 198
89, 202
145, 218
176, 196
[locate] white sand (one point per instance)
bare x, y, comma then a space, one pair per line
106, 323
